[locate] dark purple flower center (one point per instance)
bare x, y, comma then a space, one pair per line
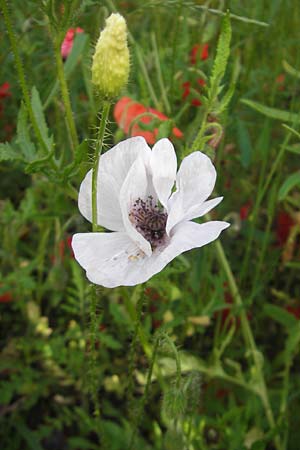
149, 219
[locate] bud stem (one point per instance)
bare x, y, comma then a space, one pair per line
98, 151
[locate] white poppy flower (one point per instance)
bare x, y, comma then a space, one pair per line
150, 225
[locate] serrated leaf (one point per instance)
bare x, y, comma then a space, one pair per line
23, 137
273, 113
40, 118
280, 315
244, 142
38, 164
80, 155
8, 153
223, 51
291, 182
224, 102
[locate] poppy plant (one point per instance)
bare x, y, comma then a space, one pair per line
127, 112
151, 224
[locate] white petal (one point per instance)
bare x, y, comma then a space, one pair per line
108, 258
112, 259
113, 169
195, 182
108, 206
164, 166
187, 235
134, 187
202, 209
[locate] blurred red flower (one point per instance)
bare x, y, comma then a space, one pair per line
295, 310
6, 297
67, 44
186, 86
280, 82
4, 90
244, 210
284, 223
127, 110
199, 52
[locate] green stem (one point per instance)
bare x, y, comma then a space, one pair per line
159, 75
65, 96
21, 75
98, 151
133, 348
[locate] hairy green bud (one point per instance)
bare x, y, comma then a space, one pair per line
110, 68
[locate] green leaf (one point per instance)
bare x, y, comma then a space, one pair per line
165, 129
273, 113
292, 342
8, 153
291, 181
295, 148
39, 164
291, 130
244, 142
280, 315
223, 52
109, 342
23, 137
40, 118
291, 70
224, 102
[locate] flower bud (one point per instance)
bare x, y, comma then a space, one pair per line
110, 68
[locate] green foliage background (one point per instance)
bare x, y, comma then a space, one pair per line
72, 380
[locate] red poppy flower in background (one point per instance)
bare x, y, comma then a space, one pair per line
284, 223
199, 52
127, 110
67, 44
6, 297
186, 86
280, 82
244, 210
295, 310
4, 90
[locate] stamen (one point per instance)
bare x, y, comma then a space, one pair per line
149, 219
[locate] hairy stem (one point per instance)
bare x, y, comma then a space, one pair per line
65, 96
133, 348
98, 151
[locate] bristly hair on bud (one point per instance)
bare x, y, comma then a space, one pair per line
110, 68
